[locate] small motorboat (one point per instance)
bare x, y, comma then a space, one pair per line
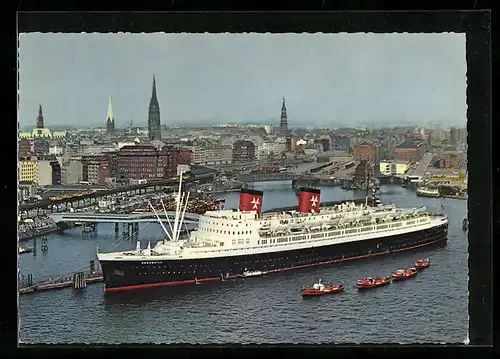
320, 289
255, 273
421, 264
25, 250
373, 282
402, 274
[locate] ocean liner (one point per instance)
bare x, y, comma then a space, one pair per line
229, 243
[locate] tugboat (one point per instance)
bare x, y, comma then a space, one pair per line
320, 289
373, 282
402, 274
421, 264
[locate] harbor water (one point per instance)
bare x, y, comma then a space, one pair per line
430, 308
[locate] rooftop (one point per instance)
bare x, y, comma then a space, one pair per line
334, 153
363, 165
24, 142
399, 162
364, 143
451, 152
410, 144
138, 146
198, 170
27, 183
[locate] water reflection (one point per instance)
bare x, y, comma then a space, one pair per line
170, 294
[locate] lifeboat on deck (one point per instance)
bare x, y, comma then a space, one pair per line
421, 264
402, 274
320, 289
372, 282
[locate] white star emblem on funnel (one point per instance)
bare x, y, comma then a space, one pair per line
314, 200
255, 202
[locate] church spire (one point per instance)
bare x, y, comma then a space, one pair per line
39, 119
110, 121
110, 111
153, 95
283, 122
154, 124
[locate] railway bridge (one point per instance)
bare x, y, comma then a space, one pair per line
266, 177
119, 218
63, 204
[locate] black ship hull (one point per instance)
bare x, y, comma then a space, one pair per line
123, 275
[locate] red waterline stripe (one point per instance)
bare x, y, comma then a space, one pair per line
352, 258
151, 285
193, 281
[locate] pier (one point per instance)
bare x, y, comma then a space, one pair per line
78, 280
37, 226
457, 196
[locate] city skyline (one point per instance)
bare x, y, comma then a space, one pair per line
206, 79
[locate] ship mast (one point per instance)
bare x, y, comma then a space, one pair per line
179, 219
166, 215
178, 207
367, 179
159, 220
182, 216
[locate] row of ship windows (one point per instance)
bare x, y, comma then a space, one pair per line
274, 260
264, 242
157, 273
195, 266
159, 267
221, 224
366, 229
224, 232
265, 222
201, 266
280, 259
193, 273
241, 241
329, 234
249, 232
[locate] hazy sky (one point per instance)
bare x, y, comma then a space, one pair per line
327, 79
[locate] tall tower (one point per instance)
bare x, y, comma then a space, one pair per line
154, 128
283, 122
110, 121
39, 119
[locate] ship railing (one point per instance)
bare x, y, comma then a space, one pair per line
354, 224
359, 226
